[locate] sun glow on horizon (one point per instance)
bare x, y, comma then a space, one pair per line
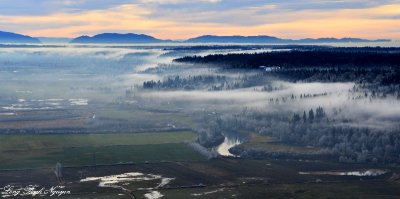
378, 22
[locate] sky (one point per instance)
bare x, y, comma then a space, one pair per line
183, 19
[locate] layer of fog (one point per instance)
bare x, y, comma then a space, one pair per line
105, 73
97, 73
338, 102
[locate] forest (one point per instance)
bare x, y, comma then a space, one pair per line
321, 58
337, 133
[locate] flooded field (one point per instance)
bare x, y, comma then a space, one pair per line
122, 181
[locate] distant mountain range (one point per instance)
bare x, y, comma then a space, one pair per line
118, 39
343, 40
9, 37
135, 38
269, 39
234, 39
130, 38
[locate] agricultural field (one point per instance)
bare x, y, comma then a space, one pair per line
141, 119
35, 151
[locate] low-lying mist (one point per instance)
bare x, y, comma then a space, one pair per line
120, 86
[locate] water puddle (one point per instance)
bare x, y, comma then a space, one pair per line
45, 104
7, 114
121, 180
207, 193
363, 173
153, 195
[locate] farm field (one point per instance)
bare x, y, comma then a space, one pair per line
90, 149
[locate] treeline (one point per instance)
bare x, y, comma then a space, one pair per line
290, 46
375, 83
301, 58
209, 82
378, 81
380, 76
186, 83
340, 138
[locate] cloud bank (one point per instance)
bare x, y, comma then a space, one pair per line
170, 19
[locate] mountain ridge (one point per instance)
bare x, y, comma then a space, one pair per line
271, 39
117, 38
10, 37
131, 38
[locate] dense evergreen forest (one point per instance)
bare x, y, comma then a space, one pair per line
371, 68
326, 58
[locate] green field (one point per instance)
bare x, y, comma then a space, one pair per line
31, 142
143, 118
89, 149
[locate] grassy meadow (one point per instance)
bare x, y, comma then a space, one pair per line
34, 151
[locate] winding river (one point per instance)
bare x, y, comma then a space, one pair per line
223, 148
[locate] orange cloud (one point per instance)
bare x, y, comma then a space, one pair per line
376, 22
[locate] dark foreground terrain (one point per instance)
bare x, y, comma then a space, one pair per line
222, 178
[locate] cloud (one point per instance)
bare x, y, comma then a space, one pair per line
124, 18
181, 19
45, 7
163, 2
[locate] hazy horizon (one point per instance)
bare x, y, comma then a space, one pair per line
169, 19
182, 39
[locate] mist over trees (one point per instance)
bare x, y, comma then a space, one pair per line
374, 72
314, 128
342, 101
186, 83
